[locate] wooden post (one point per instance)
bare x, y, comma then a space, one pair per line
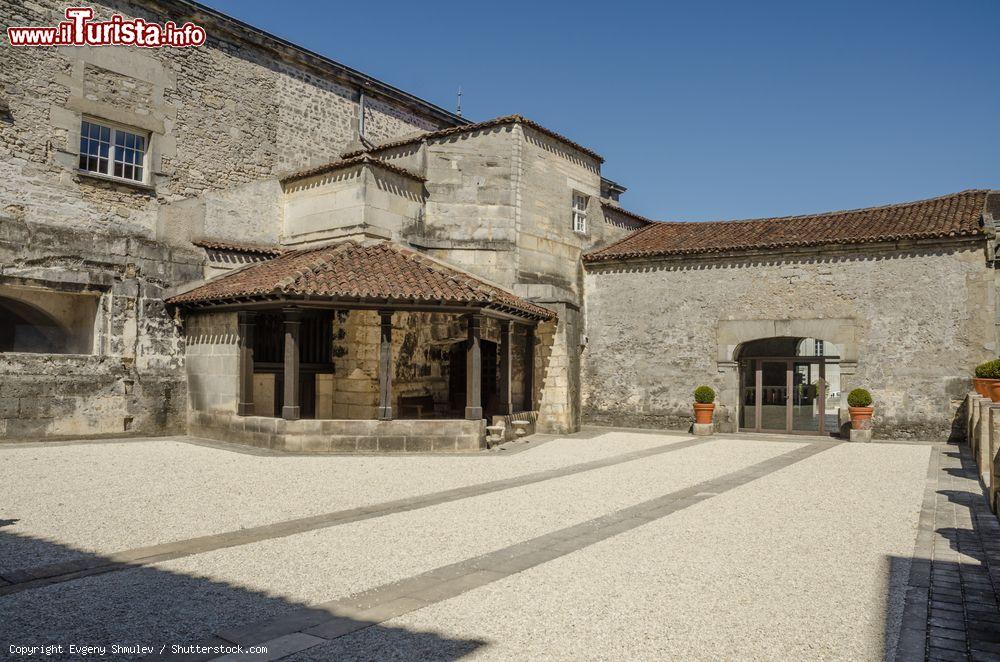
385, 367
505, 381
473, 370
293, 322
529, 368
247, 321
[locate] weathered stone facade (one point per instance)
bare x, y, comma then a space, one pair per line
224, 122
258, 148
913, 320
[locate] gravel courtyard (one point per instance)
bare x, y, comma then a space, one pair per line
605, 544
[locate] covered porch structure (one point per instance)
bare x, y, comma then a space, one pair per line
357, 347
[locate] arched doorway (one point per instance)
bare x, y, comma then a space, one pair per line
25, 328
789, 384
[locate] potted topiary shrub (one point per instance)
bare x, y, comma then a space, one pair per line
704, 404
986, 375
859, 404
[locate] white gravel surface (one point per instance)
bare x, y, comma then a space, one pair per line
69, 500
804, 564
184, 599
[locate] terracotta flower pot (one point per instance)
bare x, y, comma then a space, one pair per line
994, 386
703, 413
861, 417
982, 385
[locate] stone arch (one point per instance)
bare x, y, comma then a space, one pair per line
732, 334
26, 328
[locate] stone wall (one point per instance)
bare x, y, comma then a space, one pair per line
225, 122
341, 436
421, 349
132, 378
212, 361
914, 319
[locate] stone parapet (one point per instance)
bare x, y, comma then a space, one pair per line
343, 436
982, 446
991, 468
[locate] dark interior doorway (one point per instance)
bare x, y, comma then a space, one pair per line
315, 355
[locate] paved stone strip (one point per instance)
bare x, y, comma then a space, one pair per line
952, 609
312, 626
16, 581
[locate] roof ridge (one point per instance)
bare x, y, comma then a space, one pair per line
477, 126
427, 262
627, 237
355, 158
893, 205
468, 279
312, 266
950, 215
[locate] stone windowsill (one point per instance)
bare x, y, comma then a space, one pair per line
140, 186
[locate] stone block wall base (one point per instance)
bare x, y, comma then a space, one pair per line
703, 429
340, 436
861, 435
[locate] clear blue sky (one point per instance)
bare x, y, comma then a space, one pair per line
703, 109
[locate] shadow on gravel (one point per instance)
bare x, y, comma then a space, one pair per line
148, 606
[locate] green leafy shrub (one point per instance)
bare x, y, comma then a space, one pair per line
704, 395
988, 370
859, 397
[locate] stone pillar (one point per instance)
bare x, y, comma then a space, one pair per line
847, 384
293, 322
506, 345
970, 405
728, 403
529, 368
993, 464
974, 408
385, 367
473, 370
983, 442
245, 401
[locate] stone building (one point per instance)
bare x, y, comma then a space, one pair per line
899, 299
251, 242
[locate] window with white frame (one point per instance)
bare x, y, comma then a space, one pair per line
820, 348
579, 213
106, 149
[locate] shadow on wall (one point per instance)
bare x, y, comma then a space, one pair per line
959, 595
154, 607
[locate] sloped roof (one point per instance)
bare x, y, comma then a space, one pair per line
346, 163
350, 271
237, 247
954, 215
479, 126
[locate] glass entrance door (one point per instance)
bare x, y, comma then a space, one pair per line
808, 400
773, 405
784, 395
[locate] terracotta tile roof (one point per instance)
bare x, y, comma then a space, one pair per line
955, 215
467, 128
349, 271
358, 159
214, 245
